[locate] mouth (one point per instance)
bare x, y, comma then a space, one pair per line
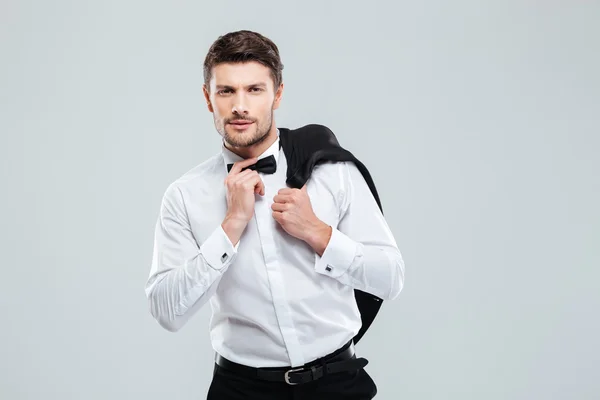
241, 124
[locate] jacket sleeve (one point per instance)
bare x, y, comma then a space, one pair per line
362, 251
184, 274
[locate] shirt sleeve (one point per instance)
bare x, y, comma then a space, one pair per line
362, 251
183, 275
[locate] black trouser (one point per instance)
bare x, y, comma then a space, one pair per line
353, 384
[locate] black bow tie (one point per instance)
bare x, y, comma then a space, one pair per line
266, 165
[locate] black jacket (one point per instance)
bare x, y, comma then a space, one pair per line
304, 148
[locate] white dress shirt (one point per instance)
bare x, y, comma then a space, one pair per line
274, 301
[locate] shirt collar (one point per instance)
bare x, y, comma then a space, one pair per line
230, 157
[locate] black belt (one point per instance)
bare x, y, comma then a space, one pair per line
340, 361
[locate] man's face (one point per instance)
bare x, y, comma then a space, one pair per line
242, 99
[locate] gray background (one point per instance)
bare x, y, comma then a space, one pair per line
478, 120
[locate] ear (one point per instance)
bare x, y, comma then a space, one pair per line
207, 98
278, 95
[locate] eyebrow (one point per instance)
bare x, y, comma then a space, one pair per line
261, 84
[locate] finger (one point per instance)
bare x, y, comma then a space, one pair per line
257, 183
244, 175
260, 188
251, 178
282, 198
288, 191
241, 177
284, 190
277, 216
239, 165
279, 207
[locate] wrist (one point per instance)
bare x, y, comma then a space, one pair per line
233, 228
234, 219
319, 237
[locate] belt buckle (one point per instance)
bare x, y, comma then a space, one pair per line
286, 376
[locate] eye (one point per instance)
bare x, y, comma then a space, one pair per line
223, 91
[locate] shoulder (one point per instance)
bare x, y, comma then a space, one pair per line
311, 132
315, 129
336, 175
346, 176
198, 176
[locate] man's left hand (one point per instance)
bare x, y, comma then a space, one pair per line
293, 210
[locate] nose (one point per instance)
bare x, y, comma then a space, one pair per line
240, 105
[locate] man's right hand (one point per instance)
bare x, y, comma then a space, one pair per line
241, 187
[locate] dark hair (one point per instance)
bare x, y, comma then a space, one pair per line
243, 46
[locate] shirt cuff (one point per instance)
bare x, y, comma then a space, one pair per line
217, 250
338, 255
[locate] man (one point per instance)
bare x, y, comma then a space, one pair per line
278, 265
